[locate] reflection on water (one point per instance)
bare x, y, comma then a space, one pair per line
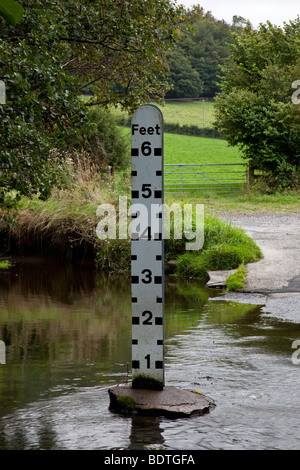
67, 335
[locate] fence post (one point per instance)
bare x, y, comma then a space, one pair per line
251, 174
180, 178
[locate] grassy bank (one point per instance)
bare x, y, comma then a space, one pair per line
225, 247
65, 226
249, 201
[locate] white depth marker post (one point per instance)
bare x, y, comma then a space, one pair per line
147, 248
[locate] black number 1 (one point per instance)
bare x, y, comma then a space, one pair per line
148, 360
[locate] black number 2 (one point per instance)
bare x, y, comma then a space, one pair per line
147, 321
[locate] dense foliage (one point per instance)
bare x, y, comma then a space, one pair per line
255, 109
55, 52
11, 11
196, 59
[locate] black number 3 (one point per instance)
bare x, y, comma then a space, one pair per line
148, 276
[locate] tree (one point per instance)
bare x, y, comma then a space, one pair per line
42, 109
184, 79
205, 48
11, 11
254, 110
120, 47
57, 50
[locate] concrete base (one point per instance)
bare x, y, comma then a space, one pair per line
217, 279
170, 402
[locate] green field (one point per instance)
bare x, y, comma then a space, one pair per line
189, 113
189, 149
198, 150
181, 149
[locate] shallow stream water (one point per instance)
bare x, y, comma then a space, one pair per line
67, 338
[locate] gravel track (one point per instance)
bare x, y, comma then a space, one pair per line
273, 281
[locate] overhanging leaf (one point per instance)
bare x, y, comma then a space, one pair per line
11, 11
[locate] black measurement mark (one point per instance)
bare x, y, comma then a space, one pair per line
159, 365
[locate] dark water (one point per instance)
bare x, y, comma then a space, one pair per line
67, 335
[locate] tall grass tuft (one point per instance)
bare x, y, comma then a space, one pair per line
225, 247
65, 223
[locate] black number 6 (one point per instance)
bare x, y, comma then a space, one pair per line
146, 149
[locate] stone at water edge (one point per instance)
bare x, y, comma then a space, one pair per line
169, 402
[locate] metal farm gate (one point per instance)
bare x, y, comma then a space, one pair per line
216, 177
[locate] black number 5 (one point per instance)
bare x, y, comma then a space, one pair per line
146, 189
